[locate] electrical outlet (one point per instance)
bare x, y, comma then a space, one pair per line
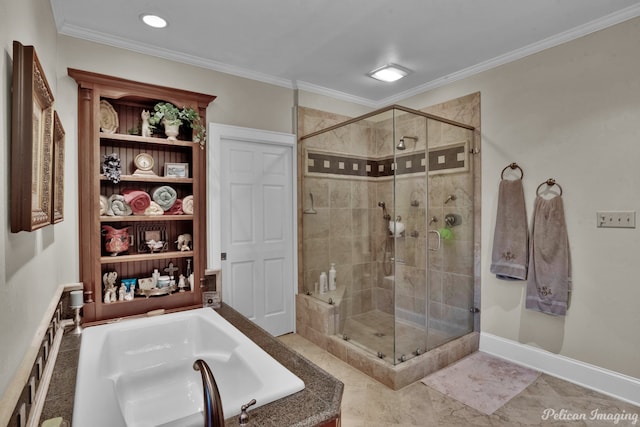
620, 219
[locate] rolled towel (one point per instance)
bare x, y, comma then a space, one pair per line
119, 206
154, 209
105, 208
175, 209
138, 200
165, 196
187, 205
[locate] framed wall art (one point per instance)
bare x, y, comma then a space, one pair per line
31, 142
57, 200
176, 170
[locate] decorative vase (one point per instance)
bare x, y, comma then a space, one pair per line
116, 240
171, 130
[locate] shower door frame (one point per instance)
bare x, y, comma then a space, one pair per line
394, 109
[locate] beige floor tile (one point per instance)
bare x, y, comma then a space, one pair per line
368, 403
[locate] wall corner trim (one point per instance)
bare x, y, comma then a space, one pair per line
602, 380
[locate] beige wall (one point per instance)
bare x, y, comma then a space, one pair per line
30, 263
571, 113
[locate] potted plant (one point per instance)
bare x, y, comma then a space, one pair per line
172, 117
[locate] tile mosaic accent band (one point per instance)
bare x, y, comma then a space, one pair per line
450, 158
335, 164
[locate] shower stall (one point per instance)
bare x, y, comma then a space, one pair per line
388, 199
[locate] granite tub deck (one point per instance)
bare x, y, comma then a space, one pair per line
317, 405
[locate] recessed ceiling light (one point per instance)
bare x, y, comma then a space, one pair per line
389, 73
153, 20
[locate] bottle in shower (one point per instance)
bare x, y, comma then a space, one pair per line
332, 277
323, 283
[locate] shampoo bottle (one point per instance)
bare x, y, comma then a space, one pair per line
323, 283
332, 277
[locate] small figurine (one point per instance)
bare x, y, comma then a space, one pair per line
155, 245
146, 127
184, 242
131, 294
121, 292
109, 281
181, 284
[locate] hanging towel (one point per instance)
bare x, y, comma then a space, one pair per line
510, 254
165, 196
549, 281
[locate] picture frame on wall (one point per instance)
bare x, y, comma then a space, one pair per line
32, 117
176, 170
57, 201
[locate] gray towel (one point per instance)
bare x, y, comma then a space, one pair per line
510, 255
549, 281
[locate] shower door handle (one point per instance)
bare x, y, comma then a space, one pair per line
437, 233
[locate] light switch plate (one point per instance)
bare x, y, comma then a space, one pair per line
616, 219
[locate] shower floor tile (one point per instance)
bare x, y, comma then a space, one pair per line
374, 331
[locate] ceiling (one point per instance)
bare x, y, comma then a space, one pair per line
329, 46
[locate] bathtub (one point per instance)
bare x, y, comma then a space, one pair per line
139, 372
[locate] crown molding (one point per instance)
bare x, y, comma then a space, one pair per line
110, 40
343, 96
558, 39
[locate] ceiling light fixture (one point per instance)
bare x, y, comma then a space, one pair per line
153, 20
389, 73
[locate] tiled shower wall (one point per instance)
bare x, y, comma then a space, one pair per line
340, 231
349, 228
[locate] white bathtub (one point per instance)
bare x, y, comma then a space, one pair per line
139, 373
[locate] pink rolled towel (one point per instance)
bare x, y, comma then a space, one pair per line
138, 200
175, 209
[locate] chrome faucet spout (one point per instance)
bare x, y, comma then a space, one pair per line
213, 415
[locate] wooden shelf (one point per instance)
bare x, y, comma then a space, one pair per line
145, 257
144, 139
151, 178
146, 218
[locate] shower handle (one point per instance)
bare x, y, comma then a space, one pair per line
437, 233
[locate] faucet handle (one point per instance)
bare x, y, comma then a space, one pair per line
244, 417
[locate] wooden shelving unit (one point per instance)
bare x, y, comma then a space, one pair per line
128, 99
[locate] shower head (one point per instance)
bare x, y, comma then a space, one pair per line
401, 145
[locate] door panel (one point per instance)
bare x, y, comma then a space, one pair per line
257, 223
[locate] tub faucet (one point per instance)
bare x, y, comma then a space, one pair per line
213, 415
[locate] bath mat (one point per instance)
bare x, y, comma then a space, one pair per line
482, 381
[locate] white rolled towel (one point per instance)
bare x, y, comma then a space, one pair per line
119, 206
154, 209
105, 207
187, 205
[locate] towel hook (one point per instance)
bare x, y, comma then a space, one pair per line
514, 166
550, 183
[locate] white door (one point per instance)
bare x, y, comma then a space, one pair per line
257, 227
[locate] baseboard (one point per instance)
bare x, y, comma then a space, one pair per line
602, 380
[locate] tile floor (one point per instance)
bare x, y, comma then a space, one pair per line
373, 331
368, 403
